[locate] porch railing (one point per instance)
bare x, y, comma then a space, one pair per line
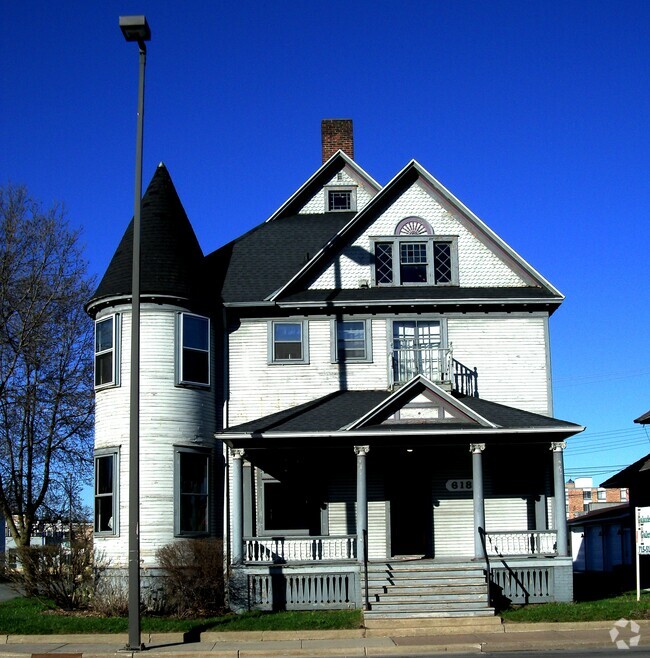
299, 549
522, 542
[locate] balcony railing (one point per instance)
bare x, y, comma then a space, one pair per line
436, 364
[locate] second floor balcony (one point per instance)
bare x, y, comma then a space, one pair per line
433, 362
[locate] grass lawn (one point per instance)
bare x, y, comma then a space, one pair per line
606, 609
23, 616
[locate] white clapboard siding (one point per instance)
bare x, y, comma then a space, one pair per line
479, 265
509, 352
453, 511
169, 416
258, 388
342, 518
506, 513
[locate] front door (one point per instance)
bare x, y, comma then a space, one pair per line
411, 511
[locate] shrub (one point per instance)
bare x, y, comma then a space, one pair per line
193, 582
66, 575
111, 598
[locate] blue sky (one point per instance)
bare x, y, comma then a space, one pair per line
534, 113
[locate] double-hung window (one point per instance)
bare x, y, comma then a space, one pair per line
107, 469
106, 352
351, 341
191, 491
418, 260
194, 352
288, 342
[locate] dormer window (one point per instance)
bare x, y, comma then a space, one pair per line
341, 200
415, 256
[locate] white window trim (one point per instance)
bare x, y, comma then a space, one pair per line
304, 340
335, 339
341, 188
115, 350
178, 450
115, 454
179, 352
396, 240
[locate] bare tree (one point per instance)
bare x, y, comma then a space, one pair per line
46, 396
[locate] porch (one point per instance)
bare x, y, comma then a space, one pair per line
386, 476
403, 588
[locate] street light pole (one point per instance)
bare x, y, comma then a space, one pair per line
135, 28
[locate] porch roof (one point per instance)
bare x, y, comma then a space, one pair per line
330, 415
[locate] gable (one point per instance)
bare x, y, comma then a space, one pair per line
353, 258
421, 402
345, 179
481, 263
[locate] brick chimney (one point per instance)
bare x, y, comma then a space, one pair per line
337, 134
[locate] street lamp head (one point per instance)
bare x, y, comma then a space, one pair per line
135, 28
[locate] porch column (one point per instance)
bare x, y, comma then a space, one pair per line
362, 500
560, 498
237, 506
477, 493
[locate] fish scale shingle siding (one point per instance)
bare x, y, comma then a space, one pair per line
478, 266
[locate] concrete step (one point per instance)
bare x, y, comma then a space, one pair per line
416, 606
433, 625
427, 614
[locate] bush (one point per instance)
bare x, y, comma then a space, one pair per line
193, 582
66, 575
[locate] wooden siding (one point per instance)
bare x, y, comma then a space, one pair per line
169, 416
509, 352
258, 388
453, 512
342, 513
480, 262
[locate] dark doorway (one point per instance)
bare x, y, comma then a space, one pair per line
410, 507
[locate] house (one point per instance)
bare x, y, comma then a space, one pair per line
356, 393
582, 497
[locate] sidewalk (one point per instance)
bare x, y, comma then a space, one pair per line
362, 642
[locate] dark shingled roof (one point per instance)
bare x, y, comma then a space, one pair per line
420, 293
337, 410
644, 419
170, 255
255, 265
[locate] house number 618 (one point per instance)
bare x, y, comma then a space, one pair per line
459, 485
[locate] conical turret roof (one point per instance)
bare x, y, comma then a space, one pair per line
171, 259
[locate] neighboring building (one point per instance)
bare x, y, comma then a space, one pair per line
370, 369
582, 497
602, 540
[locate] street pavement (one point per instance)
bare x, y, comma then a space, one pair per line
413, 641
